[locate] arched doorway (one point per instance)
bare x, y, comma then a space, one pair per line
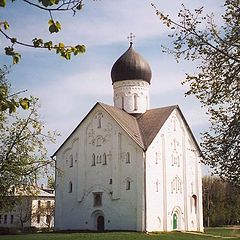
100, 223
175, 221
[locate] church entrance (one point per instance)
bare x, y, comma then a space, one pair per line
175, 221
100, 223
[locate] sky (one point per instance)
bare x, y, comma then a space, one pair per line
69, 89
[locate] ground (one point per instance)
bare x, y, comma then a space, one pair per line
210, 234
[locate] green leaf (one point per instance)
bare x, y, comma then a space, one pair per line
3, 106
58, 25
80, 6
16, 58
37, 42
45, 3
81, 48
25, 103
48, 45
61, 45
5, 25
3, 3
9, 51
53, 29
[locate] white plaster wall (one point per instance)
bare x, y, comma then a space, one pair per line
175, 166
43, 223
127, 90
121, 208
27, 208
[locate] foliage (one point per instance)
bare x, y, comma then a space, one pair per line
51, 182
23, 154
221, 202
48, 211
216, 51
7, 101
27, 211
50, 6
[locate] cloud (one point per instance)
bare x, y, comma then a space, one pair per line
68, 90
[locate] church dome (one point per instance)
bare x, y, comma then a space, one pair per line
131, 66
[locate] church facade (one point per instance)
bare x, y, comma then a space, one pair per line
128, 167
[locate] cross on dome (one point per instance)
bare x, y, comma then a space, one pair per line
131, 37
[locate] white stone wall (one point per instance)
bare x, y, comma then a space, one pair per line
98, 134
131, 95
173, 178
173, 175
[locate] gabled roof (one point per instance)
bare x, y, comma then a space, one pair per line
29, 191
152, 121
143, 128
128, 123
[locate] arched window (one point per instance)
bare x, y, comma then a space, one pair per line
99, 121
135, 102
38, 218
128, 157
70, 187
122, 102
71, 161
156, 156
128, 184
97, 199
76, 157
104, 159
194, 203
99, 141
157, 185
93, 160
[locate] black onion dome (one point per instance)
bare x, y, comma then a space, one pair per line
131, 66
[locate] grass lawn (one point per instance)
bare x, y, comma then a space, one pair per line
229, 232
119, 236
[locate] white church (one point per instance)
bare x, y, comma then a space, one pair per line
129, 167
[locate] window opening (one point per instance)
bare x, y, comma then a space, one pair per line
156, 158
93, 160
194, 203
5, 219
71, 161
38, 218
99, 121
128, 157
157, 186
97, 199
104, 159
122, 102
135, 102
70, 187
99, 142
12, 217
128, 185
